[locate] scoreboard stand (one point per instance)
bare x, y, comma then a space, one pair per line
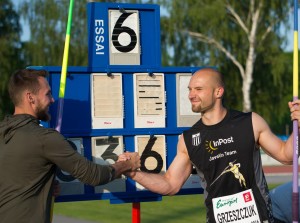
123, 101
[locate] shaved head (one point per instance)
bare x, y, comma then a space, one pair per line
206, 90
212, 75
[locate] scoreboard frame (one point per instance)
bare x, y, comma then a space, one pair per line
123, 42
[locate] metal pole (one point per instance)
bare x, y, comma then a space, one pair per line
295, 197
136, 212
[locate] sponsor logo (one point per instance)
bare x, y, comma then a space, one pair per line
196, 139
212, 145
233, 208
219, 142
247, 197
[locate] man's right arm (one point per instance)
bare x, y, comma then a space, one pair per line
132, 163
170, 182
59, 151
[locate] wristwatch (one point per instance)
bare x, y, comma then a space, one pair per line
112, 173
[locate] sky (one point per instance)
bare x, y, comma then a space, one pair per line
26, 33
25, 28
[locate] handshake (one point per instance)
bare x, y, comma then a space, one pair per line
128, 163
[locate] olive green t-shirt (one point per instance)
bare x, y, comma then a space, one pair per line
29, 155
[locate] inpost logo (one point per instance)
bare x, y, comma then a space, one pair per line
212, 145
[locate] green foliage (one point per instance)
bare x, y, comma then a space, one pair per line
271, 87
47, 20
9, 51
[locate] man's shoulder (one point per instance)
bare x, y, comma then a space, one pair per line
42, 132
194, 127
235, 114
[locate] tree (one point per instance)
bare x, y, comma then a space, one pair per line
215, 31
9, 51
240, 37
47, 21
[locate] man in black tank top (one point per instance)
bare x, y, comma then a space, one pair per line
224, 147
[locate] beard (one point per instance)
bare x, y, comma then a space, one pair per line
196, 109
42, 113
200, 108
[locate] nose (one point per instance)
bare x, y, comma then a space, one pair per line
191, 94
52, 100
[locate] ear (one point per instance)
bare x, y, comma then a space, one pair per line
29, 98
219, 92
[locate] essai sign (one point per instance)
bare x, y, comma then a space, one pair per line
99, 37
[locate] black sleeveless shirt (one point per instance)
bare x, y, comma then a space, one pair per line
214, 149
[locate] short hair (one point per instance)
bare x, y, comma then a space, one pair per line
220, 78
25, 79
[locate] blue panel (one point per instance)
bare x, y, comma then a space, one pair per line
128, 101
76, 102
170, 82
98, 33
141, 196
98, 40
76, 122
150, 37
171, 148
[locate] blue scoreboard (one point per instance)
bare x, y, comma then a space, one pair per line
124, 100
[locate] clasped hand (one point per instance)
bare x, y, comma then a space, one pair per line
132, 157
295, 111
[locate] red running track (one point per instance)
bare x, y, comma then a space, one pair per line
288, 169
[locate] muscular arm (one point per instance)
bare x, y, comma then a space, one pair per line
270, 143
60, 152
171, 182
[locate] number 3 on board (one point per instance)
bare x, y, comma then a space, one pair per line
105, 150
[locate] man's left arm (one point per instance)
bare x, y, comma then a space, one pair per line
270, 143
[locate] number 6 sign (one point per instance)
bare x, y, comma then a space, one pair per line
124, 37
152, 150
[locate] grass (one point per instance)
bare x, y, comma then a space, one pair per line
172, 209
